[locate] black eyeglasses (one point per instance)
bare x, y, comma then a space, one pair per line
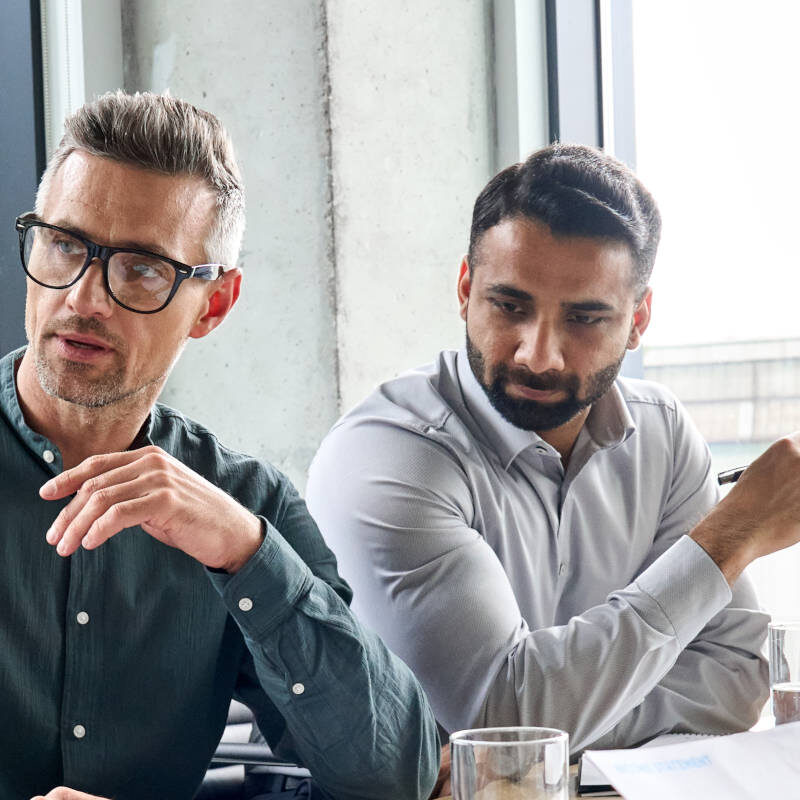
136, 279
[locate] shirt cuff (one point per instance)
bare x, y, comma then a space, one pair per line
264, 591
687, 586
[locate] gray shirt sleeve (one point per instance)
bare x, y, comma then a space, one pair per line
396, 509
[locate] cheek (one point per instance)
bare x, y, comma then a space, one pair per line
30, 317
161, 338
491, 339
38, 302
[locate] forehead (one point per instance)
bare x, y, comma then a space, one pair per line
120, 204
525, 253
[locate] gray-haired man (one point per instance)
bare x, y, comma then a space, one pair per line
149, 573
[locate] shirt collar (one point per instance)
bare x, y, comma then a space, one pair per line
609, 422
9, 402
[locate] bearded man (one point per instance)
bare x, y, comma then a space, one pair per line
527, 530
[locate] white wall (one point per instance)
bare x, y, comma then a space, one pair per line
364, 130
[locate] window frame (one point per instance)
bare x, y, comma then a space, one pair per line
22, 150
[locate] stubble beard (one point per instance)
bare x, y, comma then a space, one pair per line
531, 415
75, 381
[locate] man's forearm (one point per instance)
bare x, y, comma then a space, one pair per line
354, 712
586, 676
718, 685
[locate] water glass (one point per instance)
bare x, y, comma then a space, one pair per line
510, 764
784, 670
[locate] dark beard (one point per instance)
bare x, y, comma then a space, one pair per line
530, 415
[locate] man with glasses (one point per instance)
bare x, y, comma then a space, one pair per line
149, 573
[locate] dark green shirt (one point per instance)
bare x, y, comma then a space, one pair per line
117, 665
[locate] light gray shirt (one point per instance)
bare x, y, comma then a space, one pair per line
521, 593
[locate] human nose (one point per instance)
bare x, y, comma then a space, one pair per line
89, 297
540, 348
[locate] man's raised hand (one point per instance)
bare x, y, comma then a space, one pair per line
150, 488
760, 515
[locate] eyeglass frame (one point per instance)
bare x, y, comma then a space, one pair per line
103, 253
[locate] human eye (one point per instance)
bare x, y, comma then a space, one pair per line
506, 306
584, 319
141, 270
66, 245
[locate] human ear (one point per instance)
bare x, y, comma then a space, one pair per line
641, 319
219, 303
464, 286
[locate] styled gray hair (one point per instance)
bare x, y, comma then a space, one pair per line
161, 133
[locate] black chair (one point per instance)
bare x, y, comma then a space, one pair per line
242, 769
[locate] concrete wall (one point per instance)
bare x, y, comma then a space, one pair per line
364, 132
412, 145
266, 381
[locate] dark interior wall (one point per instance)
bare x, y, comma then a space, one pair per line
21, 151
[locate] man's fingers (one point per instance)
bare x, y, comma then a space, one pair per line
94, 489
70, 480
118, 517
75, 523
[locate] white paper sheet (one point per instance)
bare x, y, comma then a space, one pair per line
591, 776
743, 766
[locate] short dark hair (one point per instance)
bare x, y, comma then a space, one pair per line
575, 190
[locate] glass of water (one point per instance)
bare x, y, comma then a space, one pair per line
510, 764
784, 670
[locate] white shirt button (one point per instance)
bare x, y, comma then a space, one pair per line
541, 448
562, 568
298, 688
82, 617
48, 456
79, 731
245, 604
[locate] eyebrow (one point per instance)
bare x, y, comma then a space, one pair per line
509, 291
519, 294
588, 305
149, 248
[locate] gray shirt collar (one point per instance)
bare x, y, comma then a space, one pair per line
609, 422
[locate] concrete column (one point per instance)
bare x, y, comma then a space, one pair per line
412, 144
266, 381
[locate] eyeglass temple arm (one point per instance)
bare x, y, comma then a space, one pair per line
208, 272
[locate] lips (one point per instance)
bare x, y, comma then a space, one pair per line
83, 342
529, 393
82, 348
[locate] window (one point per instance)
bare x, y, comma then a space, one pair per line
716, 132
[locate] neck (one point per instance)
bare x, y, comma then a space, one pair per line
79, 431
563, 437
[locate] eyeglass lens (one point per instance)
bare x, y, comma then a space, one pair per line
55, 258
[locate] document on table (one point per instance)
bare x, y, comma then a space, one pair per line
745, 766
593, 783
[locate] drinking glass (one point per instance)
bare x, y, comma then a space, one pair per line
510, 764
784, 670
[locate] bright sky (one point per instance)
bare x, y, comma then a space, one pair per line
718, 144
